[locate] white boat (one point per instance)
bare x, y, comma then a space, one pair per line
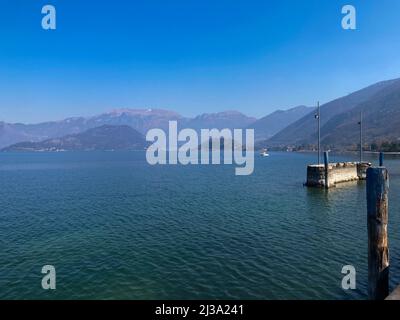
264, 153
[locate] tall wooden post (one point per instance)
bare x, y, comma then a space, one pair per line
381, 159
378, 250
326, 164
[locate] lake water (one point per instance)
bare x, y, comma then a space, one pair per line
117, 228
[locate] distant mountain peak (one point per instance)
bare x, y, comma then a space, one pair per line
143, 112
230, 119
271, 124
105, 137
224, 115
301, 107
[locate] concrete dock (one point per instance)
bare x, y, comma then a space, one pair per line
329, 174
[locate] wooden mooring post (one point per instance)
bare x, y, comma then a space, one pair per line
378, 250
326, 167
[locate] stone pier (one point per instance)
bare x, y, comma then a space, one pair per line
327, 176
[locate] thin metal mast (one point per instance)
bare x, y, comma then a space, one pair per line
318, 117
361, 136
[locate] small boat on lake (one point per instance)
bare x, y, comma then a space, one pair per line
264, 153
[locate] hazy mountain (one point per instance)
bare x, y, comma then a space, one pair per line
379, 102
271, 124
381, 120
336, 113
12, 133
105, 137
139, 119
220, 120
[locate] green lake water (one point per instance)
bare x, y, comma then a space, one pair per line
117, 228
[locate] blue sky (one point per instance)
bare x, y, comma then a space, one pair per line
189, 56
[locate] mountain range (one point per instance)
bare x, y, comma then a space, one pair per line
379, 105
104, 138
139, 119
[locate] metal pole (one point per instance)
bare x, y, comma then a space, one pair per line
318, 117
319, 133
361, 138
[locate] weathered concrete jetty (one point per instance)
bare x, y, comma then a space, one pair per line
377, 188
327, 175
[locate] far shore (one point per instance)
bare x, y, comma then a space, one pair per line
350, 152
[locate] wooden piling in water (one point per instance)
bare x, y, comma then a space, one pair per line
326, 164
378, 250
381, 159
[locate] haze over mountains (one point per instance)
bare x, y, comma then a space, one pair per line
139, 119
104, 138
271, 124
379, 104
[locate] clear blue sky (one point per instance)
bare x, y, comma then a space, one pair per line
189, 56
